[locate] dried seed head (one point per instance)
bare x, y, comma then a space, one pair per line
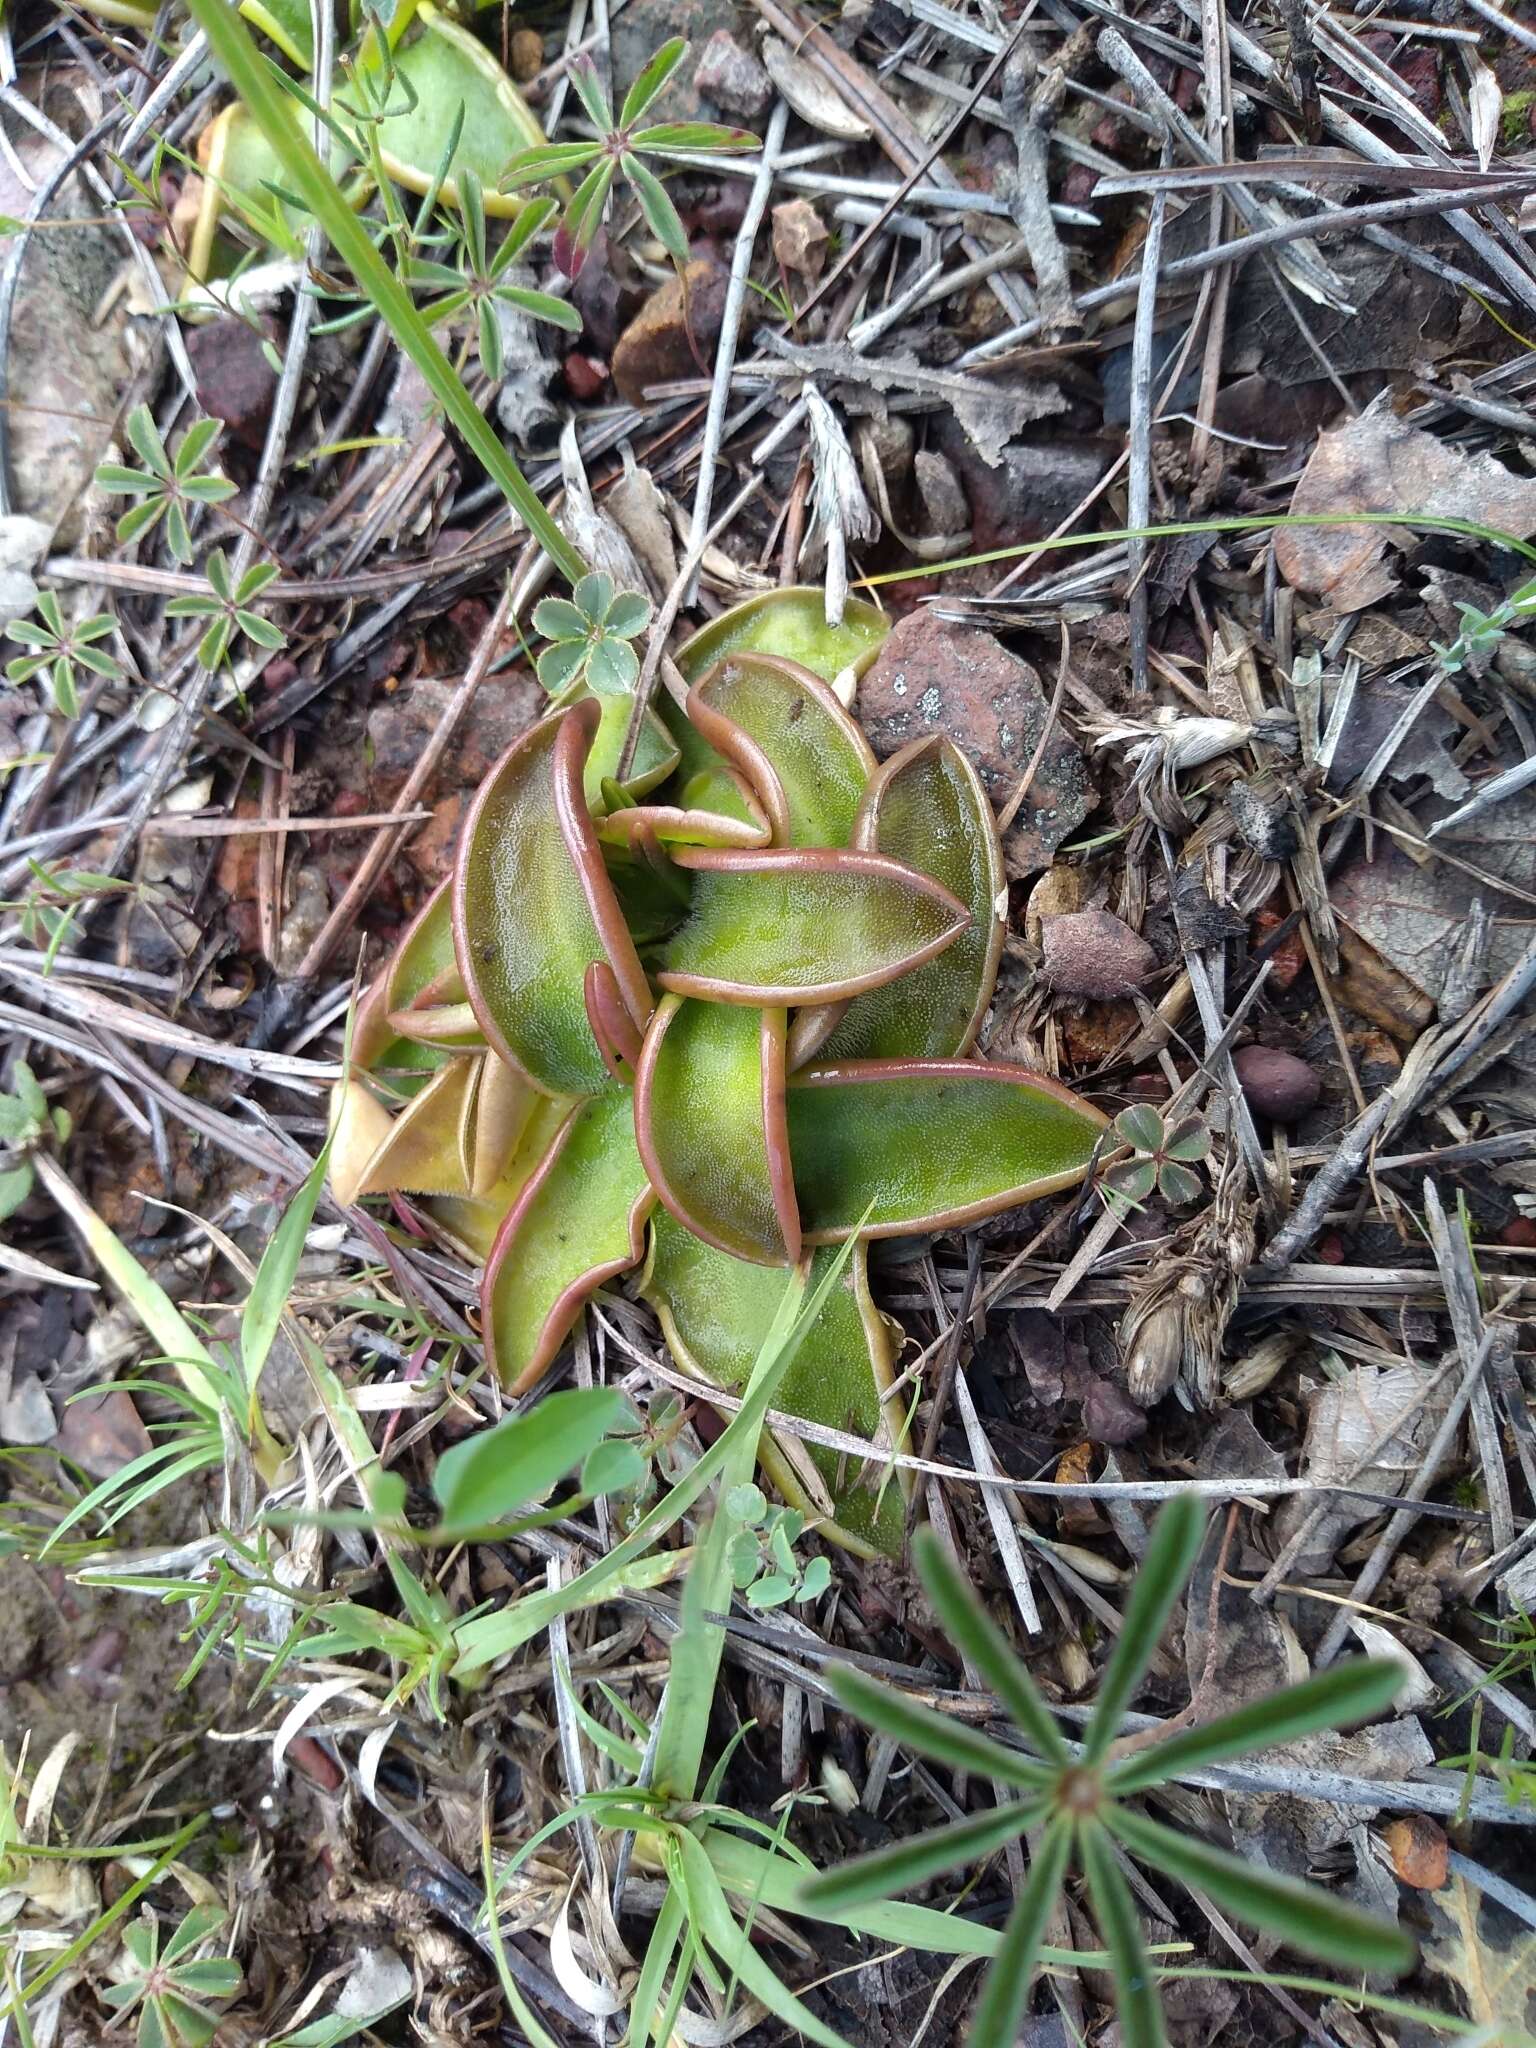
1251, 1374
1152, 1340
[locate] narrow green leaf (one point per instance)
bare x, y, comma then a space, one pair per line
661, 215
268, 1298
903, 1865
1171, 1553
1005, 1990
1137, 2002
489, 1476
1347, 1692
979, 1639
231, 44
1318, 1922
650, 80
933, 1734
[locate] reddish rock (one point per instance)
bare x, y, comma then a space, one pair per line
1277, 1084
584, 375
674, 334
1094, 953
732, 77
235, 381
430, 848
932, 676
400, 726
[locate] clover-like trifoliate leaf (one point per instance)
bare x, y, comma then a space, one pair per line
931, 1143
802, 924
709, 1121
579, 1220
533, 907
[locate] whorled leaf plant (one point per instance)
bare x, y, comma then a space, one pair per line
710, 1022
1081, 1805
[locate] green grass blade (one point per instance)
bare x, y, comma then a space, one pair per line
231, 44
1137, 2001
646, 1999
1005, 1989
149, 1301
933, 1734
1303, 1915
1171, 1553
976, 1636
268, 1299
493, 1636
713, 1920
916, 1858
1348, 1692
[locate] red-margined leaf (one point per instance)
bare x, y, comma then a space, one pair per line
929, 1143
714, 1309
791, 625
786, 732
709, 1122
1303, 1915
706, 136
927, 807
533, 907
802, 925
1171, 1552
583, 217
613, 1028
979, 1639
579, 1220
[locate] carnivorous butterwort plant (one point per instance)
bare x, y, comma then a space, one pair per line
710, 1022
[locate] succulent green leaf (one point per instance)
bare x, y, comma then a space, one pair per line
1005, 1989
707, 803
927, 807
803, 752
288, 23
930, 1143
714, 1310
802, 925
533, 907
709, 1121
982, 1643
579, 1220
1347, 1692
792, 626
1317, 1922
655, 757
1170, 1558
447, 68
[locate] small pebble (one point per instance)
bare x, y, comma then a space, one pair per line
1277, 1084
1092, 953
527, 54
584, 375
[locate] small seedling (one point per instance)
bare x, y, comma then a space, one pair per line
1083, 1802
60, 649
227, 607
167, 486
764, 1566
622, 149
589, 635
1164, 1158
1482, 632
471, 276
26, 1121
175, 1992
